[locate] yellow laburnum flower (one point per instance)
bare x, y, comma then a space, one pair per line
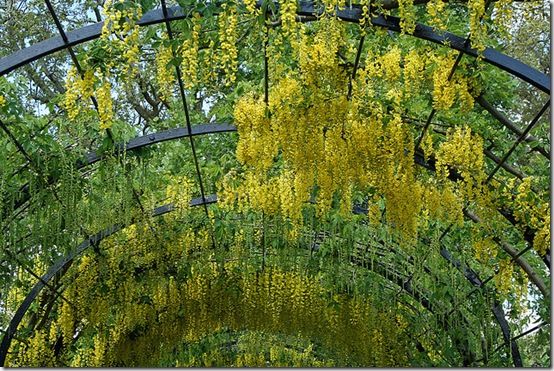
365, 18
287, 9
466, 99
541, 242
485, 249
407, 16
164, 73
503, 17
390, 63
413, 70
503, 279
72, 93
251, 7
427, 144
444, 90
477, 28
121, 30
105, 104
78, 91
179, 191
189, 53
99, 351
436, 10
227, 58
463, 151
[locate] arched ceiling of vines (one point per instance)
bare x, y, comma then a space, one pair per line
313, 175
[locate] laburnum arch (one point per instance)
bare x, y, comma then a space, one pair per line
377, 237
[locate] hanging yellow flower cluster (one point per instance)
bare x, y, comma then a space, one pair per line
251, 7
313, 144
331, 6
39, 352
414, 66
287, 9
436, 10
120, 33
165, 76
503, 279
445, 90
78, 91
189, 53
521, 292
503, 17
463, 152
365, 19
15, 295
227, 58
477, 28
252, 121
105, 102
147, 309
531, 211
485, 250
407, 16
179, 192
253, 349
121, 30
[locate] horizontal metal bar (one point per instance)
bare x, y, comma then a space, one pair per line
159, 137
350, 14
76, 37
134, 144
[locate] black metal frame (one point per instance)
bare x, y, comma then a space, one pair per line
94, 240
352, 14
177, 133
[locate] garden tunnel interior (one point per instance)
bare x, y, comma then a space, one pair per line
456, 316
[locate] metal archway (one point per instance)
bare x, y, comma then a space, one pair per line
392, 277
541, 81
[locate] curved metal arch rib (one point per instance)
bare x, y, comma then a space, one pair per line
159, 137
135, 144
351, 14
